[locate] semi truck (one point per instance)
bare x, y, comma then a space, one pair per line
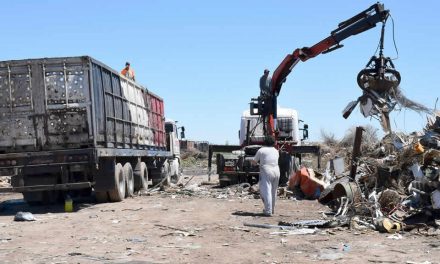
73, 125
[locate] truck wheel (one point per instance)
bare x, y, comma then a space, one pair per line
220, 162
118, 193
101, 197
129, 180
141, 177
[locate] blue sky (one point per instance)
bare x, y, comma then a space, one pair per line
205, 58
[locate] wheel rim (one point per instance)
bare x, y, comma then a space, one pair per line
121, 182
130, 182
145, 177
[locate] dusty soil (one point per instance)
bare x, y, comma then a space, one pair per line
176, 228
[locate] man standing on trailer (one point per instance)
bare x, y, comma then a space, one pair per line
268, 156
128, 72
265, 84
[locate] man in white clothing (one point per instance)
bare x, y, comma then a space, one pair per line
268, 156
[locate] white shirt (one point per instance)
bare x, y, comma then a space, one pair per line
267, 156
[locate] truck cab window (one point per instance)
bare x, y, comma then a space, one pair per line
169, 128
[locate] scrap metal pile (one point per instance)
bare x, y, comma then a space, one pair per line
394, 186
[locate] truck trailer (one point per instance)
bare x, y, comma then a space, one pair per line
73, 125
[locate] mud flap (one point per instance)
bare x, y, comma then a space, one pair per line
104, 178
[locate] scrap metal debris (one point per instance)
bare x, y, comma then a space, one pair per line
379, 81
24, 216
267, 226
377, 101
241, 191
389, 185
394, 187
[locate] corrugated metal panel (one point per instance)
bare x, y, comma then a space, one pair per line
67, 99
47, 104
44, 102
157, 120
134, 117
16, 106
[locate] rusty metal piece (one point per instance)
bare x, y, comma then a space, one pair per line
356, 151
348, 189
267, 226
328, 194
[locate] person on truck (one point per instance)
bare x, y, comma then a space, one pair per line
267, 156
265, 84
128, 72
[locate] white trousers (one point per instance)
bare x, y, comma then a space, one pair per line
269, 178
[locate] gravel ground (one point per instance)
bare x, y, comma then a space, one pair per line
187, 227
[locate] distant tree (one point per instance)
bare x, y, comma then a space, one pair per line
369, 137
329, 138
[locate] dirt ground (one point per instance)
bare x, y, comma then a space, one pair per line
174, 228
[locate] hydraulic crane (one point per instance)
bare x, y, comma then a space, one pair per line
266, 104
380, 70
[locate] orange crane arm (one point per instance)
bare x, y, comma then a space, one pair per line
363, 21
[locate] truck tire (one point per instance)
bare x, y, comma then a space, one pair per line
129, 179
118, 193
140, 177
101, 197
220, 162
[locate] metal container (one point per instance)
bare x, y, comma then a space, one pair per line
75, 102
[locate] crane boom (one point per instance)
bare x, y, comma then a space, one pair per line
237, 167
359, 23
363, 21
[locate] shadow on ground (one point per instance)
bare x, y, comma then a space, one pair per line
13, 206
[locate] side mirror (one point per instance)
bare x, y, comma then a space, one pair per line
182, 132
305, 132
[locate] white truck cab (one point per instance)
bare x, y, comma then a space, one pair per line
287, 125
